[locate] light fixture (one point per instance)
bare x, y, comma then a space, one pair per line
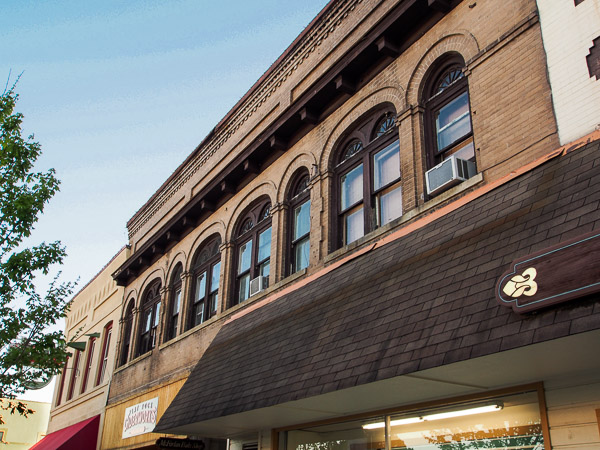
409, 420
465, 412
443, 415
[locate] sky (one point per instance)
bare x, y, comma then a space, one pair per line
118, 94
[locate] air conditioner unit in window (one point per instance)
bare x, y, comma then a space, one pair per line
258, 284
448, 173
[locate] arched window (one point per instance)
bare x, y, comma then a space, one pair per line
299, 220
127, 329
174, 303
150, 316
206, 272
253, 251
104, 352
448, 114
369, 191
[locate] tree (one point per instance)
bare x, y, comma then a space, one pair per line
30, 354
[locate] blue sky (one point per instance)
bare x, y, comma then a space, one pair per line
119, 93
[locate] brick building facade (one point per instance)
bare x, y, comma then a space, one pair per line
313, 263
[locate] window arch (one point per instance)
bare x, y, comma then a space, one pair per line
127, 329
174, 303
150, 317
448, 127
206, 272
299, 222
252, 249
367, 177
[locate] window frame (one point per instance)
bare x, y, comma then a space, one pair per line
74, 375
435, 101
207, 266
259, 215
62, 382
88, 363
151, 303
127, 333
364, 132
175, 295
103, 361
298, 196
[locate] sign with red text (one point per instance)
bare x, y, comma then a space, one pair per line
557, 274
140, 418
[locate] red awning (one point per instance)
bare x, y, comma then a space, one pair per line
82, 435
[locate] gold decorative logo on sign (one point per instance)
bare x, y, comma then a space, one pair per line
522, 284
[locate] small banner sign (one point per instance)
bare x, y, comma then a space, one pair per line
140, 418
554, 275
164, 442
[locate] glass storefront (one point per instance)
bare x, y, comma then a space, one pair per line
509, 422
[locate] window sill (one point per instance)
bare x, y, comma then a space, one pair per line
272, 288
134, 361
186, 333
432, 203
440, 198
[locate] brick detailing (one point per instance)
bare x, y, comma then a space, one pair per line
241, 113
593, 59
422, 301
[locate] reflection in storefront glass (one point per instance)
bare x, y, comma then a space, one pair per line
511, 422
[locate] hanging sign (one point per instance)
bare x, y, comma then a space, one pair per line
558, 274
140, 418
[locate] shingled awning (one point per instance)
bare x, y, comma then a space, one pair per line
408, 321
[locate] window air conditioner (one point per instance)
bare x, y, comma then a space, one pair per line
448, 173
258, 284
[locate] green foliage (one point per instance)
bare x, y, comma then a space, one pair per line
29, 353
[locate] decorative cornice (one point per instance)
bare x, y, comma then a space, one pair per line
273, 80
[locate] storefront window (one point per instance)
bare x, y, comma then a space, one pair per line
510, 422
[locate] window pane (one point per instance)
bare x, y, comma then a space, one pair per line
176, 301
198, 313
201, 286
466, 152
354, 226
264, 244
453, 121
390, 205
147, 319
342, 436
302, 220
301, 254
105, 356
245, 257
214, 302
174, 321
352, 187
244, 287
265, 269
214, 280
156, 315
386, 165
